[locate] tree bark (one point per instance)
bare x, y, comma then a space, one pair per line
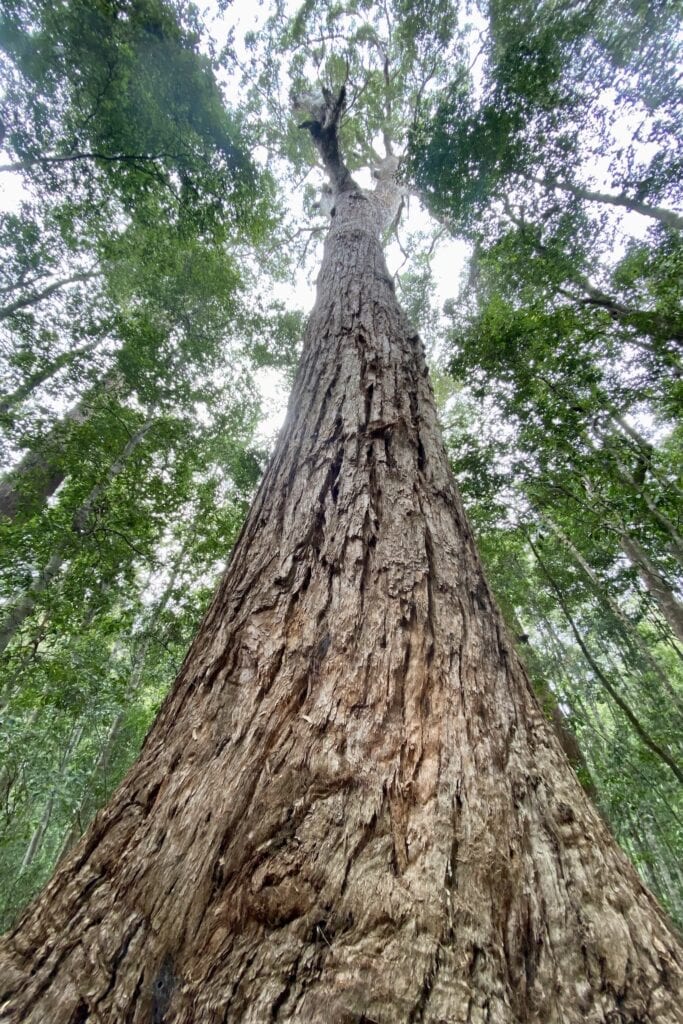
351, 807
550, 702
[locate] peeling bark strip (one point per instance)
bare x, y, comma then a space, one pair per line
351, 807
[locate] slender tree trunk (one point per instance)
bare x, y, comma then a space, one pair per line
38, 834
29, 484
39, 295
24, 604
650, 323
82, 812
638, 488
631, 633
592, 722
351, 807
675, 539
655, 584
7, 776
84, 809
644, 449
660, 751
41, 828
667, 867
37, 476
46, 372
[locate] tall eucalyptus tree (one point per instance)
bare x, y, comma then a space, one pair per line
351, 805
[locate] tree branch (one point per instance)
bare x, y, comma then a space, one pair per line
324, 113
33, 298
660, 213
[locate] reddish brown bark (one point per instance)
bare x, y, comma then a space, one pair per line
351, 807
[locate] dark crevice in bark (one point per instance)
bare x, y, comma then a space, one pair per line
283, 997
274, 668
369, 391
451, 878
236, 987
59, 958
119, 958
135, 998
80, 1014
417, 1014
367, 834
415, 420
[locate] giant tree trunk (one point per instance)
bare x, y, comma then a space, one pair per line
351, 807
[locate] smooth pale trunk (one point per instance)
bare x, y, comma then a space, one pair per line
351, 807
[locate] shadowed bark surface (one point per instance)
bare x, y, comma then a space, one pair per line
351, 807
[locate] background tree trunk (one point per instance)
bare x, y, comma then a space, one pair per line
36, 477
351, 807
655, 584
25, 602
38, 377
671, 218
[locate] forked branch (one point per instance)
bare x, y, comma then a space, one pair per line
322, 112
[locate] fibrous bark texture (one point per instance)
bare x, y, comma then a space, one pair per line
351, 808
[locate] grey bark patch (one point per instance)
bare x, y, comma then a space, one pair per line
162, 991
